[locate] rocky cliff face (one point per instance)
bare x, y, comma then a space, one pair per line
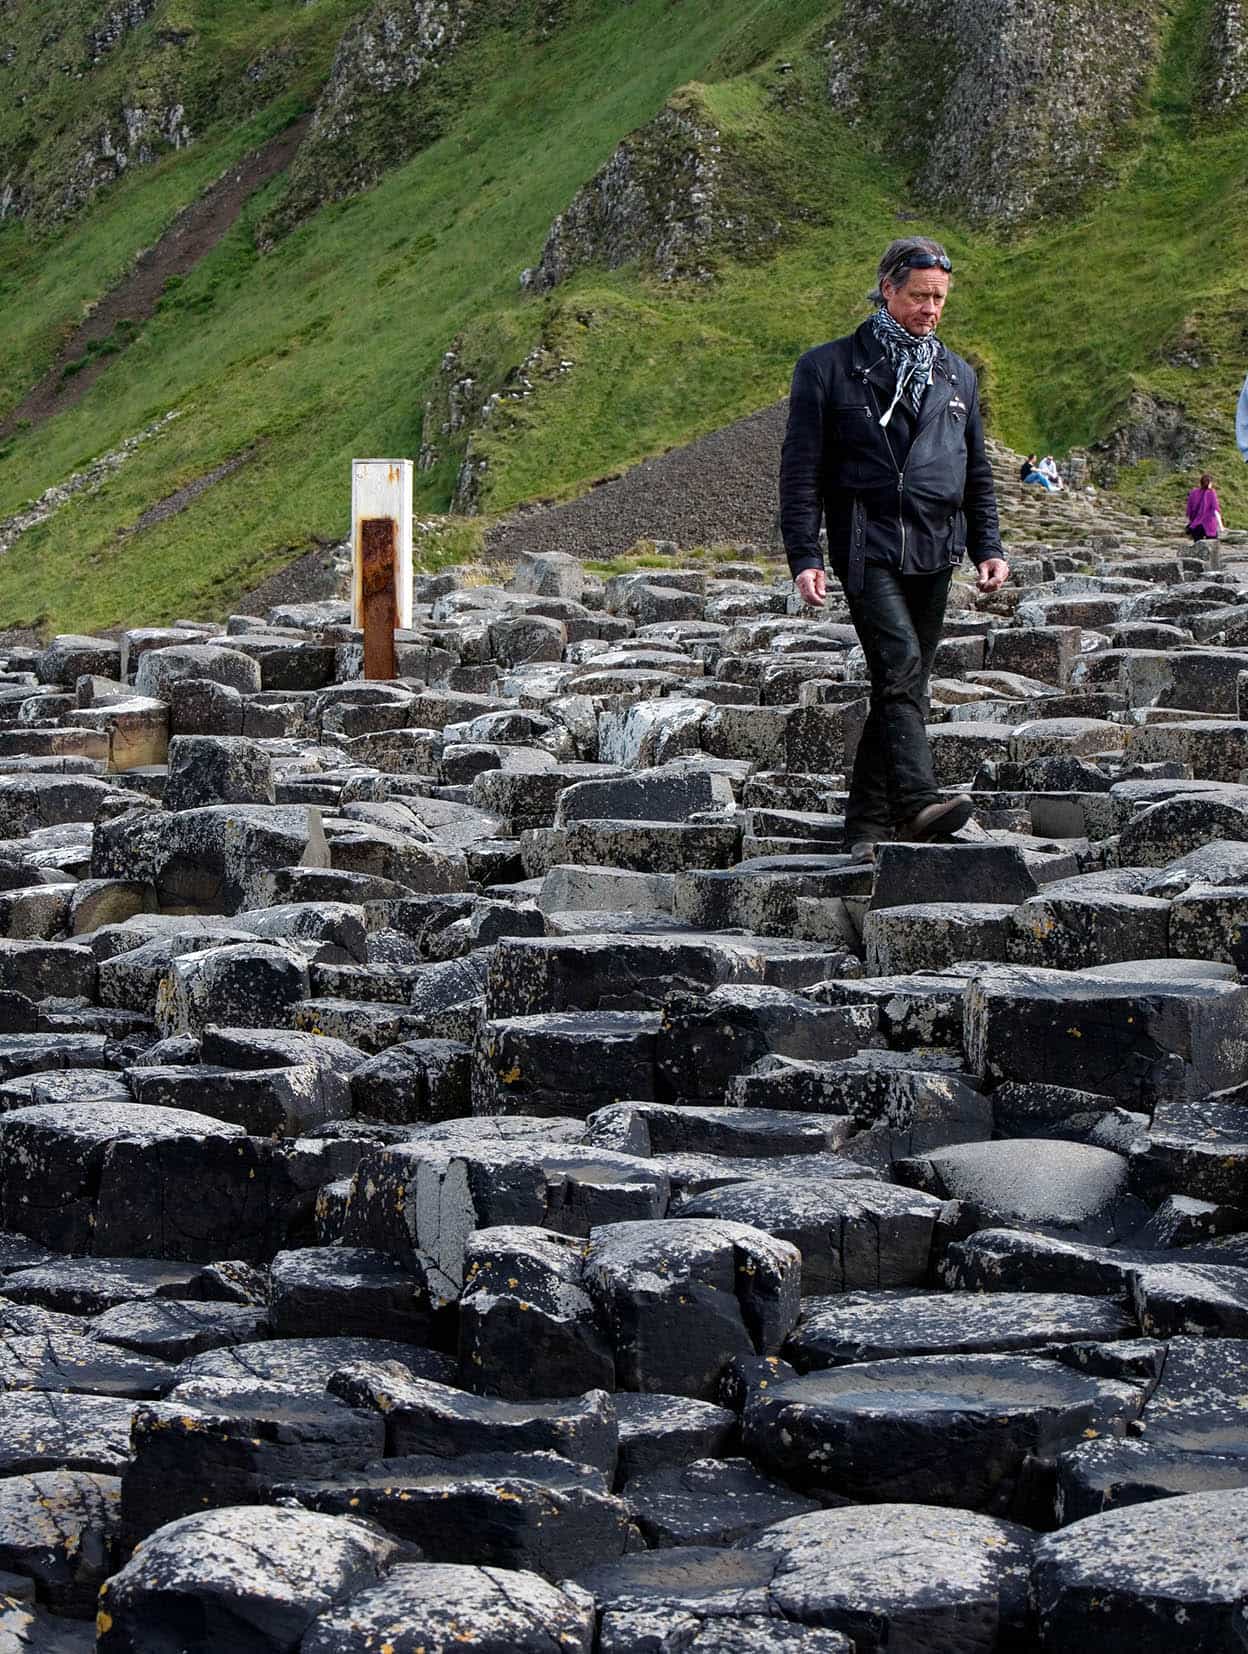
49, 169
671, 193
654, 202
466, 400
381, 103
93, 91
1152, 428
1225, 79
115, 25
1003, 108
129, 135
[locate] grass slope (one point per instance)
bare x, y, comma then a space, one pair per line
325, 348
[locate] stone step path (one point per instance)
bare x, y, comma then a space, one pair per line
479, 1164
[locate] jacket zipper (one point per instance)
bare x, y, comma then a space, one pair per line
901, 476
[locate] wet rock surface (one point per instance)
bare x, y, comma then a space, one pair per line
478, 1161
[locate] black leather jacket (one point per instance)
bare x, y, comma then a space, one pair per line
919, 510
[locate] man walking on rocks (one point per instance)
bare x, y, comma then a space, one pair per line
885, 443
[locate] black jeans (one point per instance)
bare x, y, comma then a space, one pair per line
898, 618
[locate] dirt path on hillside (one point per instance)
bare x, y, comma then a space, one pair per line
191, 236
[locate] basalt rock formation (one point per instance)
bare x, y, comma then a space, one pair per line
479, 1161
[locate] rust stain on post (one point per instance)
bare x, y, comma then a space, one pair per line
379, 538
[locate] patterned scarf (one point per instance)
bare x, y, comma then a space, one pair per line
913, 359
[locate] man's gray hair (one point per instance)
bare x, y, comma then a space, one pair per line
893, 266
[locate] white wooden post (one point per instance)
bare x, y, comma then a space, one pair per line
381, 562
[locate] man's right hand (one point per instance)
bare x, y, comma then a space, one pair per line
812, 587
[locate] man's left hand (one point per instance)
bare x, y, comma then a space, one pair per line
993, 574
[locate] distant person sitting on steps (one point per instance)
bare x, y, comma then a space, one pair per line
1204, 516
1049, 470
885, 443
1033, 476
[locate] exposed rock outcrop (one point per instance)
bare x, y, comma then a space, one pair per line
85, 481
670, 193
144, 84
461, 404
133, 135
1152, 428
1226, 72
1002, 108
380, 105
115, 25
50, 170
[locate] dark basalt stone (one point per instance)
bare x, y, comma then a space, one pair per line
251, 1580
265, 1102
1073, 1189
660, 1432
87, 1286
499, 1510
709, 1502
957, 1430
1197, 1403
891, 1108
221, 1444
310, 1363
852, 1233
732, 1133
442, 1129
416, 1081
423, 1417
707, 1581
1100, 1476
704, 1040
564, 1064
880, 1326
1166, 1575
80, 1366
60, 1530
54, 1154
1135, 1039
678, 1301
498, 1611
40, 1430
527, 1327
626, 1632
25, 1626
346, 1292
902, 1576
173, 1329
422, 1200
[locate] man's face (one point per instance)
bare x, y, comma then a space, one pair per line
917, 303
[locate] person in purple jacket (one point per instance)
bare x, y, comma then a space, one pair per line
1204, 517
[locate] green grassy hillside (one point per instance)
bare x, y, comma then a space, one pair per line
327, 346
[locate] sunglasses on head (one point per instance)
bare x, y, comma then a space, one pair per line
926, 261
